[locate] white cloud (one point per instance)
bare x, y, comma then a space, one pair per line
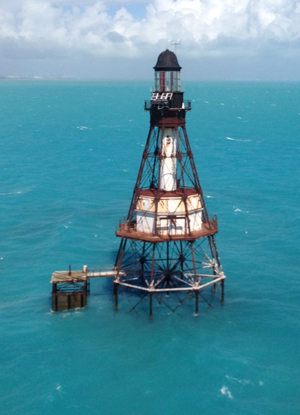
41, 28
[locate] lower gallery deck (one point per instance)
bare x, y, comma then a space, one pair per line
207, 229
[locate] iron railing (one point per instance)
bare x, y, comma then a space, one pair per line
149, 104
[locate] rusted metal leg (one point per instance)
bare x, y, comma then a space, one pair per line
150, 306
215, 285
222, 292
116, 295
197, 302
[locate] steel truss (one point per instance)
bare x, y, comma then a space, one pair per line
149, 173
187, 269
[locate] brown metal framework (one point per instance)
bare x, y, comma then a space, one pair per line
156, 263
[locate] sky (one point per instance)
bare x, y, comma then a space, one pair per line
114, 39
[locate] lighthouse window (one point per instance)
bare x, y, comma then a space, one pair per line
168, 81
146, 203
157, 81
176, 81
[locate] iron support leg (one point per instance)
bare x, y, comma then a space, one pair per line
116, 295
150, 306
222, 293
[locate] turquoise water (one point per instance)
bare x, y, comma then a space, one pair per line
69, 154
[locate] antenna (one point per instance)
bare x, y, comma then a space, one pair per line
175, 43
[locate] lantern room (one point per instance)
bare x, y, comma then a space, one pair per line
167, 73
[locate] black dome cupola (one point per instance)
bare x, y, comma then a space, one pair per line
167, 73
167, 61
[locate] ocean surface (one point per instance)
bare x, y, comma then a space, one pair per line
69, 156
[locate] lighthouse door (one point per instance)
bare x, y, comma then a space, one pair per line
167, 227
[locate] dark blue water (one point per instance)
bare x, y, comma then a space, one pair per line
69, 155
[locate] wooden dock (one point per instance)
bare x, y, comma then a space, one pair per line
70, 288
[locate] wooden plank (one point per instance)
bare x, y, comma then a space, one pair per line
67, 277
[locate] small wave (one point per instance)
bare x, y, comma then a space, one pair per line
236, 210
18, 192
241, 381
10, 193
209, 197
226, 391
82, 127
237, 139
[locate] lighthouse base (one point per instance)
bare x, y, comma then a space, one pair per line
169, 273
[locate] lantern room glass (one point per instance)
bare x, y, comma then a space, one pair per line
167, 81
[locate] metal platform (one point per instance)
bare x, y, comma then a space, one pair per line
208, 228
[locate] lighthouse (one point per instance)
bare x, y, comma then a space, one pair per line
167, 245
